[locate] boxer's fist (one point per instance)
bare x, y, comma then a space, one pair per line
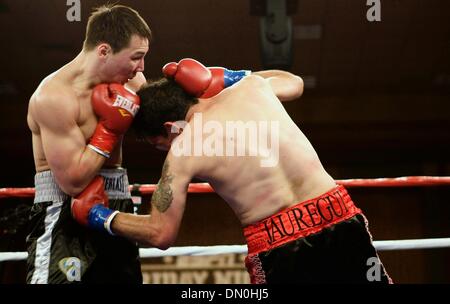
199, 81
190, 74
115, 107
90, 207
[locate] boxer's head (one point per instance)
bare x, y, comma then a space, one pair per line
120, 38
163, 103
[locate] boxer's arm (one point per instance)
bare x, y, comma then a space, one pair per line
72, 163
285, 85
160, 229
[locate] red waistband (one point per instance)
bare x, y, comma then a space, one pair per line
301, 220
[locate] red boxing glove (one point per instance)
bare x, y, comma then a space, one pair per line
217, 83
190, 74
90, 207
92, 195
115, 107
200, 81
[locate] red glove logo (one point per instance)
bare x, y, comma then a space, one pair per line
115, 107
126, 107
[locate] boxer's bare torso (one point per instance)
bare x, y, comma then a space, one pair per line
61, 119
252, 190
77, 103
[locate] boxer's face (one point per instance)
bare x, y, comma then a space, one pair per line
123, 65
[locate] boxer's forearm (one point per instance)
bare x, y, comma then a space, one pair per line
75, 170
137, 228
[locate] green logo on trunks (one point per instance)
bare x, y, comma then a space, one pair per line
71, 267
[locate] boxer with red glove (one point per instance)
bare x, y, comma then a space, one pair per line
90, 207
200, 81
116, 107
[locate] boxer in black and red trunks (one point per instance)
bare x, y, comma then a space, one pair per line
325, 239
246, 146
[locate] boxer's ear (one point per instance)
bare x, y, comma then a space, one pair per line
103, 50
173, 128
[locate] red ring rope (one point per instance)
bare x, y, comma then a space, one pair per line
406, 181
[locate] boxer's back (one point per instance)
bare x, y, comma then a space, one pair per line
272, 174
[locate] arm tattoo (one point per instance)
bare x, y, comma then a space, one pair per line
163, 196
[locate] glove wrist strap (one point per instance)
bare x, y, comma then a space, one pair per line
102, 153
230, 77
100, 218
109, 221
103, 141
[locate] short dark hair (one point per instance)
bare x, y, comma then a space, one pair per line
161, 101
115, 25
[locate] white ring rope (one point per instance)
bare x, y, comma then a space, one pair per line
224, 249
13, 256
192, 250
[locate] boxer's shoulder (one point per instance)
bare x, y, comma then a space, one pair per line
53, 98
54, 88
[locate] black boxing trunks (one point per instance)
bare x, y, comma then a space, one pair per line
322, 240
62, 251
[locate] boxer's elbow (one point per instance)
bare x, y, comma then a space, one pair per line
291, 90
72, 191
297, 87
165, 241
73, 188
71, 184
300, 85
156, 243
164, 245
74, 180
158, 237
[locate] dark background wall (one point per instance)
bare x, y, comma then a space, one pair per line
376, 104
